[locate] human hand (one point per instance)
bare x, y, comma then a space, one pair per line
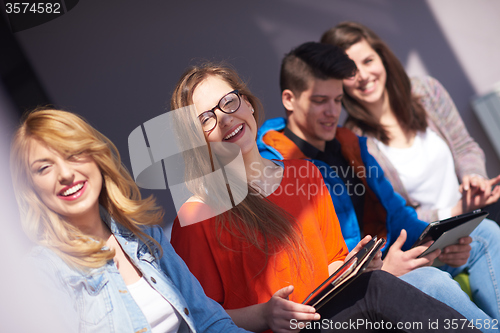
399, 262
477, 192
458, 254
473, 182
376, 262
279, 311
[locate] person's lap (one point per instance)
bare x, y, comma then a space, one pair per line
377, 301
441, 286
483, 268
494, 211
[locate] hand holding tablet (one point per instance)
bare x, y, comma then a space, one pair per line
449, 231
347, 273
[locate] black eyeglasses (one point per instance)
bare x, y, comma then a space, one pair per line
229, 103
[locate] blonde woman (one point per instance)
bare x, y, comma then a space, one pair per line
100, 247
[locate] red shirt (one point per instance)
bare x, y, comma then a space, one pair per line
236, 274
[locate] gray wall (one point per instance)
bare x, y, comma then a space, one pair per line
116, 61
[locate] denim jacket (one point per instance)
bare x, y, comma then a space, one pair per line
99, 301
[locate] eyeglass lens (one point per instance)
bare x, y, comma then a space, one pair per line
228, 104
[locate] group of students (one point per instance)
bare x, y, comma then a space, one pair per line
249, 268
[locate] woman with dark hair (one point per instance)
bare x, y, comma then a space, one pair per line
416, 133
417, 136
102, 253
262, 257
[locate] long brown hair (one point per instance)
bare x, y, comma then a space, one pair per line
255, 219
407, 109
68, 133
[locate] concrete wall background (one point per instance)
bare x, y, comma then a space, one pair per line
116, 61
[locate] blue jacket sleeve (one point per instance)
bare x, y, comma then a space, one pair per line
208, 315
399, 215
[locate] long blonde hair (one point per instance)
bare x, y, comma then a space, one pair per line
256, 220
68, 133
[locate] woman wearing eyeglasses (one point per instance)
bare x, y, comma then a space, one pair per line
101, 253
262, 258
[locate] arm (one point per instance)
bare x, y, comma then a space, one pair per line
198, 245
403, 226
399, 262
207, 315
399, 218
469, 157
275, 314
336, 265
191, 242
392, 176
399, 215
444, 119
477, 192
375, 264
458, 254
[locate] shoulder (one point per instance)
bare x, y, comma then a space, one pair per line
194, 222
48, 267
351, 126
41, 256
301, 171
422, 85
298, 163
264, 143
348, 136
274, 124
193, 211
281, 146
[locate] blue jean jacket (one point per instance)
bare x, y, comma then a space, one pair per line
99, 301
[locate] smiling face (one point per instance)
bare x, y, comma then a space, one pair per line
315, 112
68, 185
368, 85
239, 127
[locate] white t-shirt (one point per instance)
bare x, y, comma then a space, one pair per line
159, 313
427, 171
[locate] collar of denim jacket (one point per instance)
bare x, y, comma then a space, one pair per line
115, 227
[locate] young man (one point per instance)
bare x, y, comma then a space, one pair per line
311, 85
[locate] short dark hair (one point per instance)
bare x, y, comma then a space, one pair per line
317, 60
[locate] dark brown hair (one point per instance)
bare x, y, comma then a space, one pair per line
314, 60
407, 109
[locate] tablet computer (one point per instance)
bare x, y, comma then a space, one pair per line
449, 231
347, 273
